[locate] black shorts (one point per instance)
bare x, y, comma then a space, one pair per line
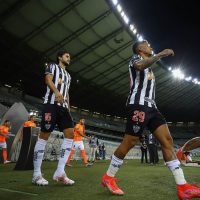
140, 117
53, 114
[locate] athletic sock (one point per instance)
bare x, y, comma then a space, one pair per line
177, 172
115, 164
38, 156
64, 155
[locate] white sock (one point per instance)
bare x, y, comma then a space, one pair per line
115, 164
38, 156
177, 172
64, 154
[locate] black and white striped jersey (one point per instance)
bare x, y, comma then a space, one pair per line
142, 85
61, 80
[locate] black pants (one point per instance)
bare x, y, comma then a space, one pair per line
144, 154
153, 153
103, 154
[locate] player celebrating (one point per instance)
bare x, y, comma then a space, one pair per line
142, 112
56, 110
79, 133
3, 135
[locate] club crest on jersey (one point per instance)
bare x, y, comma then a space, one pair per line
47, 117
136, 128
47, 126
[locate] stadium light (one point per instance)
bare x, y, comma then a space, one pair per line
178, 74
126, 19
9, 86
169, 68
115, 2
119, 8
188, 78
122, 13
134, 31
140, 38
195, 81
131, 26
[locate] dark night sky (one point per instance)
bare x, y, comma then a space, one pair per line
169, 24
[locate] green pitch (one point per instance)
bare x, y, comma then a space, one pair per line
138, 181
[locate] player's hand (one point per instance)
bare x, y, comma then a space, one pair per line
59, 97
166, 52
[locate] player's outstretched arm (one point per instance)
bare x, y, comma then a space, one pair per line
147, 62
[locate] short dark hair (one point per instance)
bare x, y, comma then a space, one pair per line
135, 46
6, 121
60, 54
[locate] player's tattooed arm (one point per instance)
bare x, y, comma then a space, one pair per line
147, 62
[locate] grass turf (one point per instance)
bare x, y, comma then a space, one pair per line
138, 181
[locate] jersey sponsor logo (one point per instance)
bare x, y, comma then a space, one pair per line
47, 117
138, 116
136, 128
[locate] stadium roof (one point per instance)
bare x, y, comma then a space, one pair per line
31, 32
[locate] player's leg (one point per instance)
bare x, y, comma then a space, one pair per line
38, 157
3, 145
83, 154
74, 147
4, 155
66, 125
108, 179
66, 146
70, 156
128, 142
47, 125
136, 122
184, 189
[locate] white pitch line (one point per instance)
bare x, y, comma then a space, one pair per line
17, 191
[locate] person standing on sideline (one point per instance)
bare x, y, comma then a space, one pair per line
79, 133
143, 143
152, 147
142, 112
100, 151
93, 147
56, 110
103, 152
3, 136
30, 122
